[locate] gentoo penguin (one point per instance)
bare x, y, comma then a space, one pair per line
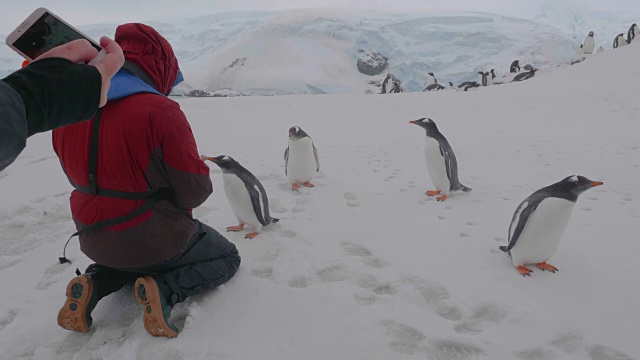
515, 66
431, 79
528, 67
386, 84
441, 161
525, 75
434, 87
246, 196
300, 159
451, 86
540, 220
468, 85
589, 44
484, 78
619, 41
493, 74
633, 33
396, 88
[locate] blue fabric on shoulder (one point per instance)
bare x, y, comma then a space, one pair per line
124, 83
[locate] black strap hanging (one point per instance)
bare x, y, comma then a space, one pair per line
152, 197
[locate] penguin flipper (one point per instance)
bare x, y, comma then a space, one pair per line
315, 154
519, 220
259, 201
286, 159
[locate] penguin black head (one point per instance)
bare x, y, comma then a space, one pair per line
226, 163
576, 184
450, 84
591, 33
296, 133
428, 125
493, 74
431, 74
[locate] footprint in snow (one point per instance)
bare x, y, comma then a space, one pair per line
53, 274
352, 199
436, 296
354, 249
333, 273
8, 319
364, 297
262, 271
299, 282
487, 313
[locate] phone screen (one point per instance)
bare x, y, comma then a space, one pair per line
45, 34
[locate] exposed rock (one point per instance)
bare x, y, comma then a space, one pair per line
371, 63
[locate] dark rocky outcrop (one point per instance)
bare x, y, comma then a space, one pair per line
371, 63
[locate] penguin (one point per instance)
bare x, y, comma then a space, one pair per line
434, 87
441, 161
589, 44
300, 159
451, 86
468, 85
493, 74
484, 78
396, 88
515, 66
633, 32
529, 67
539, 221
431, 79
386, 84
619, 41
525, 75
246, 196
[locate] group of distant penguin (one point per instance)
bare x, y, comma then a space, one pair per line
589, 43
534, 233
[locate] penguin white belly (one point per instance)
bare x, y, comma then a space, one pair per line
436, 166
589, 45
301, 166
541, 235
240, 201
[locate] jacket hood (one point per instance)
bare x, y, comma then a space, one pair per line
145, 47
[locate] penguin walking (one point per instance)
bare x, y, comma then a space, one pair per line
539, 221
633, 33
515, 66
484, 78
619, 41
525, 75
589, 44
301, 159
246, 196
441, 161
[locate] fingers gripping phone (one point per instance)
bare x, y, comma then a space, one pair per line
42, 31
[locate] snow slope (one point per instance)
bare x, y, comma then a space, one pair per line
365, 265
315, 50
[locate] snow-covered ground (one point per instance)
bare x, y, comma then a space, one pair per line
314, 51
365, 265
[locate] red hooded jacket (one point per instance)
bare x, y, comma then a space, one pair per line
145, 144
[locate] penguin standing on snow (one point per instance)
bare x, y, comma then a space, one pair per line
301, 159
633, 32
484, 78
441, 161
493, 74
246, 196
515, 66
431, 79
619, 41
589, 44
540, 220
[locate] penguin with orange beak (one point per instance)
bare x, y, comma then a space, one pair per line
539, 221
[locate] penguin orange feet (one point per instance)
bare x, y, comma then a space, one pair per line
308, 184
442, 198
524, 271
251, 235
544, 266
235, 228
433, 192
295, 187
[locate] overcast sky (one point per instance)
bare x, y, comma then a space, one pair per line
84, 12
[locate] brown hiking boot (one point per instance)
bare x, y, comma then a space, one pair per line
75, 314
156, 311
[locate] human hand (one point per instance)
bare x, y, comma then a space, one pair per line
81, 50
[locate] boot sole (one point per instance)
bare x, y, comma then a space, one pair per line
153, 319
73, 315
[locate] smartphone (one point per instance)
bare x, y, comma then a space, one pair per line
42, 31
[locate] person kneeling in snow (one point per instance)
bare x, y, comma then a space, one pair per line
138, 175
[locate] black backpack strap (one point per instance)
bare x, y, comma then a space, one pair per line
115, 221
152, 197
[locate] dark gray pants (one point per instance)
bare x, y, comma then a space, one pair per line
210, 260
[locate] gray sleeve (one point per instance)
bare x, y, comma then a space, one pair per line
13, 125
